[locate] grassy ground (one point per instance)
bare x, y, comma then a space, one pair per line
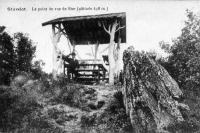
58, 106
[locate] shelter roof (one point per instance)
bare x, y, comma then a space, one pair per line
89, 29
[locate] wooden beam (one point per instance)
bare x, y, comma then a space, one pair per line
61, 29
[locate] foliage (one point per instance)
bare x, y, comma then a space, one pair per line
16, 55
22, 108
184, 60
18, 105
25, 52
7, 57
36, 69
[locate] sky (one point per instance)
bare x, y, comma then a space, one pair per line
147, 22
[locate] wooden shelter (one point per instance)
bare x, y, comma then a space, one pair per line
92, 29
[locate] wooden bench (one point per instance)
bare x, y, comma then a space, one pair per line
90, 71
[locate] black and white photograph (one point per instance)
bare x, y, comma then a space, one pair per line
99, 66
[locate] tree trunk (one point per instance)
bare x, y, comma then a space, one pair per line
117, 59
149, 93
111, 63
111, 51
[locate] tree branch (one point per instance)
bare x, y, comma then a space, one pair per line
106, 29
119, 28
109, 28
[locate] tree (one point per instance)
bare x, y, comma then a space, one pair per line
36, 69
7, 56
17, 59
183, 62
25, 52
113, 49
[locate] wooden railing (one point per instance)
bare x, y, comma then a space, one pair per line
91, 72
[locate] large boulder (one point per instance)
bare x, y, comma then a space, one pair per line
150, 94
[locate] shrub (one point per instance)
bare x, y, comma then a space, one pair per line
71, 95
18, 104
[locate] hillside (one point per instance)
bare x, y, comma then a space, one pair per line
59, 107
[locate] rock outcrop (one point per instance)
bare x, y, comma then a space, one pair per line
150, 94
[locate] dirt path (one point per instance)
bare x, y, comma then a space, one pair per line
69, 119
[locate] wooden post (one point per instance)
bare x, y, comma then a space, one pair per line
98, 73
73, 45
64, 68
96, 50
55, 39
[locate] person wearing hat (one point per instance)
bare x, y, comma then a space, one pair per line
72, 65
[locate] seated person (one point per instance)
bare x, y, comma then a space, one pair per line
105, 59
72, 64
